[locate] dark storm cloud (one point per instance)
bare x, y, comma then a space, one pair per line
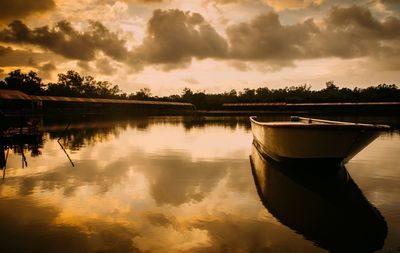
65, 40
391, 4
353, 32
175, 37
359, 21
345, 33
265, 38
12, 9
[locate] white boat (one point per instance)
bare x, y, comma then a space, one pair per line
313, 140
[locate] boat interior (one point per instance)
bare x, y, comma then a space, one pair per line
296, 121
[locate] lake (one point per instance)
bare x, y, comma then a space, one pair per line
183, 184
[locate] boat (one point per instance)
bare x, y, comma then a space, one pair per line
323, 205
309, 140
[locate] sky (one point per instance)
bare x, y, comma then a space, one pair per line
205, 45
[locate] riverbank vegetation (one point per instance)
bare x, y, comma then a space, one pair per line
72, 84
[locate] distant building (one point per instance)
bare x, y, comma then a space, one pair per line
17, 102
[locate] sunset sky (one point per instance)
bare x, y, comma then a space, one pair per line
210, 45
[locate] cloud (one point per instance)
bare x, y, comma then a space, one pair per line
19, 58
359, 20
347, 33
278, 5
265, 38
10, 10
149, 1
174, 37
225, 1
190, 80
292, 4
84, 65
145, 1
353, 32
104, 67
46, 69
239, 65
65, 40
160, 219
391, 4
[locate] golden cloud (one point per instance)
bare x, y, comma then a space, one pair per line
280, 5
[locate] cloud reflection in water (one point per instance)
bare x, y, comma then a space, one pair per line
151, 185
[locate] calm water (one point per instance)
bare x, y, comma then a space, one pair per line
182, 185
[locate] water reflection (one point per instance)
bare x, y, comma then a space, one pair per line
19, 144
203, 121
75, 133
323, 204
153, 184
37, 230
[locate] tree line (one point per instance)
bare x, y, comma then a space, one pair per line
72, 84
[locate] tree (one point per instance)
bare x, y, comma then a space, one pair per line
330, 86
72, 82
104, 89
29, 83
187, 94
74, 85
33, 84
142, 94
248, 95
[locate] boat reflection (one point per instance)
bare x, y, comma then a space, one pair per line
325, 206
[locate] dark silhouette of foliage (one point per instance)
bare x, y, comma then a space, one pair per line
293, 94
142, 94
72, 84
29, 83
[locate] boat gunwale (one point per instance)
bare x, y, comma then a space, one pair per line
321, 124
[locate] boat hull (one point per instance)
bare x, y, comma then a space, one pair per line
325, 143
